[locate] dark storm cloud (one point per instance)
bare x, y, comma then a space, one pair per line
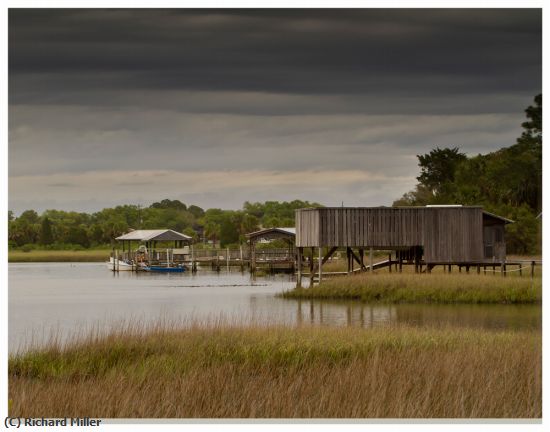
282, 51
216, 107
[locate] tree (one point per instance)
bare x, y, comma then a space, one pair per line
229, 232
437, 168
212, 231
196, 211
169, 204
46, 235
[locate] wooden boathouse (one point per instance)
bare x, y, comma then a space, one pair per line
430, 235
285, 260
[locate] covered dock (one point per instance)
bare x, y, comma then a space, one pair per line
152, 246
287, 259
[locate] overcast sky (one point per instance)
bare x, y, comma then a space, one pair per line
217, 107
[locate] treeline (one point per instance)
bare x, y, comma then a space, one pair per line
56, 229
507, 182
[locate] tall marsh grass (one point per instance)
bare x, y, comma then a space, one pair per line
228, 371
425, 288
89, 255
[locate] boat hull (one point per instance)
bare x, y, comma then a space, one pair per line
161, 269
122, 265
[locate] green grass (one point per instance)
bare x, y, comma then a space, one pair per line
224, 371
425, 288
90, 255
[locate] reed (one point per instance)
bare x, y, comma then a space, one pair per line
230, 371
91, 255
425, 288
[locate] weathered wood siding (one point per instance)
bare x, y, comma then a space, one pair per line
307, 227
446, 234
453, 234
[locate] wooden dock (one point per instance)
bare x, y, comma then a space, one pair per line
268, 259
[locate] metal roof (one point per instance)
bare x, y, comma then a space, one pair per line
289, 231
506, 221
154, 235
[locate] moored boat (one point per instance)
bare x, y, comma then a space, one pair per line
163, 269
121, 265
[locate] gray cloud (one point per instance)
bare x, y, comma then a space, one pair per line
166, 91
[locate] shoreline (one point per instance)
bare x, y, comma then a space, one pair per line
87, 255
425, 288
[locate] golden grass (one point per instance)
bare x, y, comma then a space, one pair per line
425, 288
225, 371
91, 255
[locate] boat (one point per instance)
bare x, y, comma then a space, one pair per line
163, 269
119, 265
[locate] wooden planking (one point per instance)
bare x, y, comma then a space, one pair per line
447, 234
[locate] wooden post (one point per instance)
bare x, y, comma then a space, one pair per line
478, 269
532, 269
449, 268
116, 260
389, 260
351, 259
252, 256
400, 262
320, 263
227, 258
503, 268
311, 275
348, 258
362, 258
371, 259
520, 270
299, 264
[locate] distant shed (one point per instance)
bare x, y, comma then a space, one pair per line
441, 234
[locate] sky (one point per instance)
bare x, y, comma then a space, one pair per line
218, 107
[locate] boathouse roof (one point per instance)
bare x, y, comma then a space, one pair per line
154, 235
273, 233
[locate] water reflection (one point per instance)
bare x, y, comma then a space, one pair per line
332, 313
68, 297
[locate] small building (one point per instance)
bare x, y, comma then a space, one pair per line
429, 235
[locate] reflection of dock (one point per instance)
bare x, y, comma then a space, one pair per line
343, 314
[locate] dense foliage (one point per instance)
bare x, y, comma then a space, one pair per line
507, 182
56, 229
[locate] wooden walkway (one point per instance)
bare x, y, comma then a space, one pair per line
520, 266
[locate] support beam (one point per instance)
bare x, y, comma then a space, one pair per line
299, 264
252, 256
355, 258
320, 263
329, 253
371, 259
311, 273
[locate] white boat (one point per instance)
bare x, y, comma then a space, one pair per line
120, 266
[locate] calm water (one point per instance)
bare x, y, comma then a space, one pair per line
65, 298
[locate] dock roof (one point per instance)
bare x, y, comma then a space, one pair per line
285, 231
153, 235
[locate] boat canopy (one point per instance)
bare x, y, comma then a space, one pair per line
154, 235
